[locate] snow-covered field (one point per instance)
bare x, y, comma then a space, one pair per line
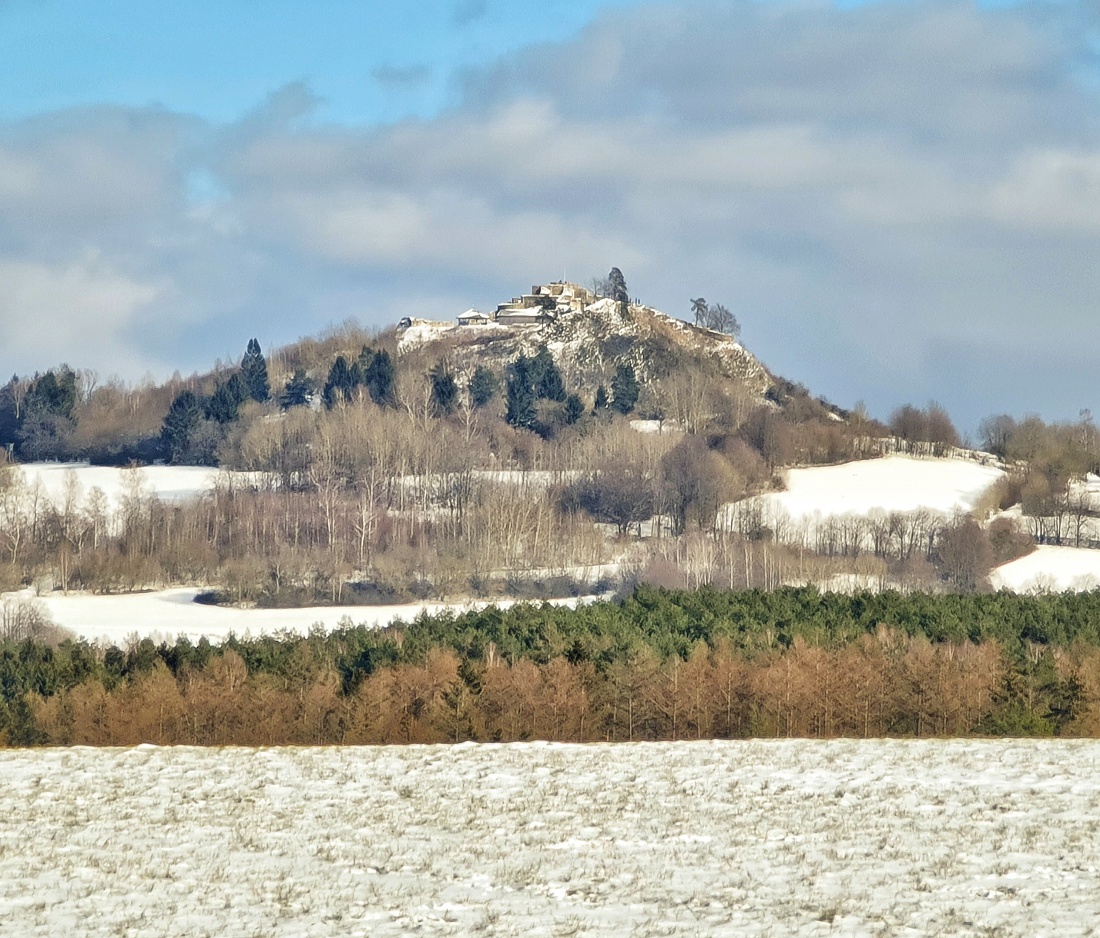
165, 614
1050, 570
960, 838
169, 483
870, 486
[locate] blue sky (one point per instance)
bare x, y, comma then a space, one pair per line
900, 201
369, 62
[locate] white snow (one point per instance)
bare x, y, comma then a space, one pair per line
165, 614
945, 837
889, 484
1050, 570
169, 483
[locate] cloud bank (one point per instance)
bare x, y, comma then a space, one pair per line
899, 201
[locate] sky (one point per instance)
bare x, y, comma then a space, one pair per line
900, 201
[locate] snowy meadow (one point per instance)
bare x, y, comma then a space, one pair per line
709, 838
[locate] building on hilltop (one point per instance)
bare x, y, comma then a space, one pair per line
542, 304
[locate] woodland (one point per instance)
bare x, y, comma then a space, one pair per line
658, 664
359, 470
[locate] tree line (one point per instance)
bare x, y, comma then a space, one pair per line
658, 665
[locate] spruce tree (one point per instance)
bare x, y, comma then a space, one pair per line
520, 395
546, 380
340, 384
624, 389
483, 386
225, 403
601, 402
444, 389
180, 423
297, 391
254, 373
381, 380
574, 408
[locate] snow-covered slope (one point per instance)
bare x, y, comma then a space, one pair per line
965, 838
1050, 569
169, 483
870, 486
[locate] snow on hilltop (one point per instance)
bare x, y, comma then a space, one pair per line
588, 342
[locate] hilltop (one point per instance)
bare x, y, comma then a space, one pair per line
588, 336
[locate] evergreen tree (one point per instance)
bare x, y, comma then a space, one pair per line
617, 282
444, 389
225, 403
545, 376
574, 408
254, 373
601, 402
624, 389
381, 380
297, 391
483, 386
340, 385
180, 423
520, 395
53, 394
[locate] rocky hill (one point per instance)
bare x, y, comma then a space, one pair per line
588, 342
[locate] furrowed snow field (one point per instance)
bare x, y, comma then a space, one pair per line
961, 838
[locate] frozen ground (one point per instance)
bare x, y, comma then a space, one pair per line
166, 614
169, 483
889, 484
1050, 570
960, 838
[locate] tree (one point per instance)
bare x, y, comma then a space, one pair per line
297, 391
180, 423
722, 320
225, 403
484, 386
717, 317
520, 395
624, 388
617, 283
545, 376
574, 408
444, 389
602, 401
380, 379
341, 383
254, 373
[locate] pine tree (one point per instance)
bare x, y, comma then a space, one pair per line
297, 391
444, 389
380, 380
574, 408
483, 386
545, 377
254, 373
619, 293
520, 395
225, 403
340, 384
180, 423
601, 402
624, 389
